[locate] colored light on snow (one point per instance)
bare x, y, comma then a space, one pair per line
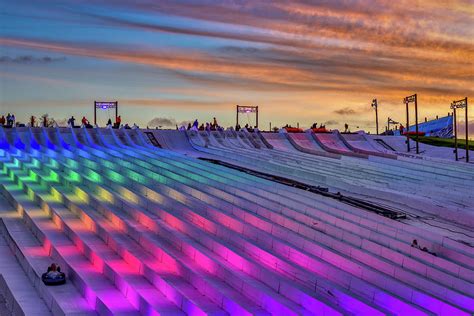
94, 176
81, 194
105, 195
74, 176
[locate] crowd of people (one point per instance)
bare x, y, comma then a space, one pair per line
315, 125
86, 124
45, 121
209, 126
391, 131
247, 127
8, 121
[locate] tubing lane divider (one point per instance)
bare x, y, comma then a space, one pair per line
362, 151
264, 141
310, 151
335, 151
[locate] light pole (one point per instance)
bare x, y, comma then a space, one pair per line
461, 104
455, 133
412, 98
375, 106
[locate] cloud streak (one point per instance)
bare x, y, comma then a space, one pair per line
345, 111
277, 67
27, 59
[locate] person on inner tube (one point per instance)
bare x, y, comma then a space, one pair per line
54, 273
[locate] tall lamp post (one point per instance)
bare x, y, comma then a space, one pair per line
375, 107
460, 104
409, 99
456, 156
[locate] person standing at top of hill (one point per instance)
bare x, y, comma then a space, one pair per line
214, 122
118, 121
196, 123
71, 121
32, 121
10, 120
346, 127
2, 120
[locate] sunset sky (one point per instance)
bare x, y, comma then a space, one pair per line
172, 61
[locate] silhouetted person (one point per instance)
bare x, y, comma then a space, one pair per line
84, 121
53, 276
109, 122
414, 244
118, 121
9, 120
54, 268
71, 121
346, 127
189, 126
